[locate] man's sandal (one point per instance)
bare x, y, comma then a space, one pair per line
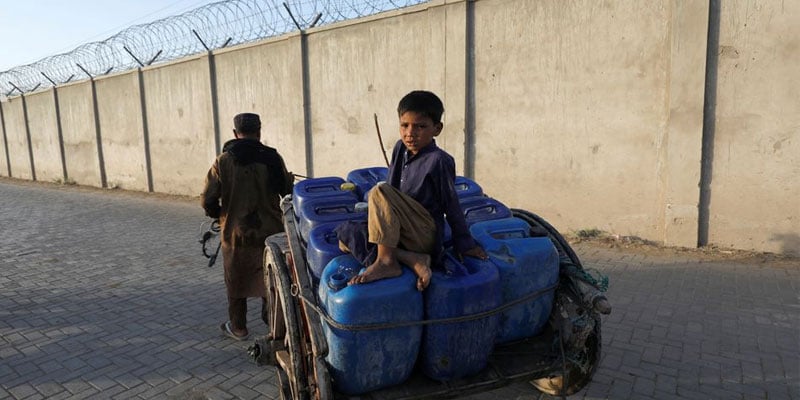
227, 330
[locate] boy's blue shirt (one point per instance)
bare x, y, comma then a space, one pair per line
429, 178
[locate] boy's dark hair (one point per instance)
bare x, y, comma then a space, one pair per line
423, 102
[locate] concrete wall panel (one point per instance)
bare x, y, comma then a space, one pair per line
265, 79
180, 124
120, 112
43, 125
755, 188
361, 69
3, 158
680, 158
17, 138
449, 36
572, 110
80, 137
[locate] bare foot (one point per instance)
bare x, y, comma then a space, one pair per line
378, 270
422, 267
420, 263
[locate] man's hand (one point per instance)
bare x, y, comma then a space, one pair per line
475, 252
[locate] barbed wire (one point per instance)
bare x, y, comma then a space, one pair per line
212, 26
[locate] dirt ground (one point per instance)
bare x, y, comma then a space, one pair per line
637, 245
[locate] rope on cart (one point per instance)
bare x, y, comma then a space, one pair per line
574, 268
591, 276
464, 318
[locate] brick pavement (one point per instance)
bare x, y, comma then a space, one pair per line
104, 295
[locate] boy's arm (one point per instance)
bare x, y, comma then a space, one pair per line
462, 239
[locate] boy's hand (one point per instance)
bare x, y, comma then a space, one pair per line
476, 252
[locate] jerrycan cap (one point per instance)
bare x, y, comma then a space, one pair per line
338, 281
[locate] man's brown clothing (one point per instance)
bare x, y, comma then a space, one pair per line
243, 189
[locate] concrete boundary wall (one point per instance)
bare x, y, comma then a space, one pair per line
5, 164
122, 127
80, 133
180, 125
590, 114
265, 79
45, 136
755, 175
17, 138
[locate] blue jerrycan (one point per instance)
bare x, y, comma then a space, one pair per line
456, 350
364, 360
327, 209
466, 188
526, 265
366, 178
477, 209
313, 188
323, 246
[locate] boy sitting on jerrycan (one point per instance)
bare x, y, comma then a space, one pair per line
406, 214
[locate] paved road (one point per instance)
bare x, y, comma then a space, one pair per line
104, 294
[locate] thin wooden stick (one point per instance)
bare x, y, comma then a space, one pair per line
380, 140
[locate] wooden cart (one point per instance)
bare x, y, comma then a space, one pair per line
561, 360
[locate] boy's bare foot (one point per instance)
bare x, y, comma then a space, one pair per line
422, 267
378, 270
420, 263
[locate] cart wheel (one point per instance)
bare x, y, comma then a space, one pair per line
323, 379
284, 389
576, 379
289, 359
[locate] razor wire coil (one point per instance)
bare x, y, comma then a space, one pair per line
209, 27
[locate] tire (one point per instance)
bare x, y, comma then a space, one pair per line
284, 388
287, 324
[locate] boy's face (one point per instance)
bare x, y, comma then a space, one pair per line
417, 130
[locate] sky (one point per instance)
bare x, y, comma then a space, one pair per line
34, 29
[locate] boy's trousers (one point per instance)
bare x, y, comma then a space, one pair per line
397, 220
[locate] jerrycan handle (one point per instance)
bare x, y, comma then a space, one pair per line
326, 210
506, 234
488, 208
326, 187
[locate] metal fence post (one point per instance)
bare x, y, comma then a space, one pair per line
59, 129
145, 130
469, 113
709, 123
309, 144
98, 135
28, 136
212, 77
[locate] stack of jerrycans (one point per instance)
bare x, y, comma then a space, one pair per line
366, 360
320, 205
323, 246
519, 266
